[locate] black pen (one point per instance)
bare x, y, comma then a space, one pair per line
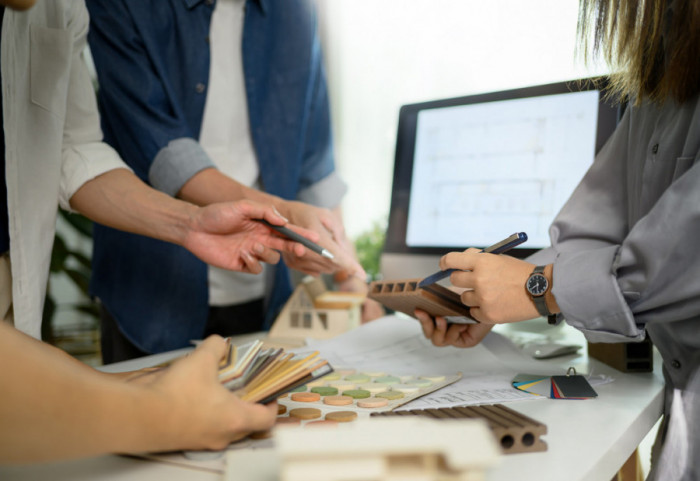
498, 248
285, 231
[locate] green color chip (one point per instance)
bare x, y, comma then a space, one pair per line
357, 378
325, 390
390, 395
388, 380
299, 389
357, 393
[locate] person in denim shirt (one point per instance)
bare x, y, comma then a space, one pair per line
189, 90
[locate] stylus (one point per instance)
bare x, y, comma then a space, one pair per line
300, 239
498, 248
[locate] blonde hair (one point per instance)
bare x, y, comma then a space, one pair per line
652, 46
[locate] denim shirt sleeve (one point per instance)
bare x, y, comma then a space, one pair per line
140, 118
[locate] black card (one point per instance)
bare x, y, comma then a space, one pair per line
573, 387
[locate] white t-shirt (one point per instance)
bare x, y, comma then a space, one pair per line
225, 136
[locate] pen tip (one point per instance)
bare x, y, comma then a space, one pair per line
325, 253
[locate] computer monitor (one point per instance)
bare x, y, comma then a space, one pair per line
470, 171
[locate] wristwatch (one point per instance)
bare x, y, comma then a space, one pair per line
537, 286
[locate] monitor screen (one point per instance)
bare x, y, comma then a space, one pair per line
473, 170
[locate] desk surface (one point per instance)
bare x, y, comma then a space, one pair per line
587, 440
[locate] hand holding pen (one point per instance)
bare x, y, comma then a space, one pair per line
498, 248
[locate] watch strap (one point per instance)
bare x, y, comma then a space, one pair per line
540, 302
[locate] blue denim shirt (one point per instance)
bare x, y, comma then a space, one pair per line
152, 59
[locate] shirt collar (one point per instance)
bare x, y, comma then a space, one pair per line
263, 4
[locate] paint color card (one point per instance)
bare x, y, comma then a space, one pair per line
573, 387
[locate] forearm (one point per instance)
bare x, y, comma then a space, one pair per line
120, 200
54, 408
210, 186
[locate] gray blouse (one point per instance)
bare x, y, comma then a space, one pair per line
626, 250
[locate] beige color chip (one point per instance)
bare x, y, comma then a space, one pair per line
305, 413
372, 403
337, 400
306, 397
342, 416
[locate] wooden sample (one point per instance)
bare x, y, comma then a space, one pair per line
405, 296
625, 356
515, 432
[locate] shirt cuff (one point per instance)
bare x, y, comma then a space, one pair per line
586, 289
326, 193
177, 163
83, 163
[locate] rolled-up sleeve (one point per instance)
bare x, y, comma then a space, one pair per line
177, 163
84, 156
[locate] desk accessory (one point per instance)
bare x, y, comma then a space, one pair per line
625, 356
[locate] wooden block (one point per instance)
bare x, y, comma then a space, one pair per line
515, 432
405, 296
625, 356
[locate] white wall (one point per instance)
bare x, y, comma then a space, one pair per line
381, 54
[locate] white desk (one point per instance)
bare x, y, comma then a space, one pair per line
587, 440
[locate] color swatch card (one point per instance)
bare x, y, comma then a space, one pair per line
261, 375
555, 387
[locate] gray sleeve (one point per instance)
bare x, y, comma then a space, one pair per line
177, 163
611, 279
327, 192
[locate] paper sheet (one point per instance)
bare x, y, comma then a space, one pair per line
396, 345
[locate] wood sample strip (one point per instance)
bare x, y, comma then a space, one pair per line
515, 432
405, 296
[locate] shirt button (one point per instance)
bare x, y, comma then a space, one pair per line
655, 148
209, 2
200, 88
207, 39
676, 364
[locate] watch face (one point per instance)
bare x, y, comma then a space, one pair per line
537, 284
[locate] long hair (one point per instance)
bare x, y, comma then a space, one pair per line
652, 46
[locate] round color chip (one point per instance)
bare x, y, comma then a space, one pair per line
388, 380
419, 382
374, 373
372, 403
358, 378
357, 393
305, 413
320, 422
405, 388
373, 387
406, 377
287, 420
334, 376
434, 377
390, 395
283, 396
342, 385
325, 390
299, 389
281, 409
337, 400
342, 416
306, 397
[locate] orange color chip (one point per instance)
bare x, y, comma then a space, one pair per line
337, 400
261, 434
306, 397
342, 416
305, 413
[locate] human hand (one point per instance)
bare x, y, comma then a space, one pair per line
227, 235
371, 309
331, 236
442, 334
495, 285
203, 414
